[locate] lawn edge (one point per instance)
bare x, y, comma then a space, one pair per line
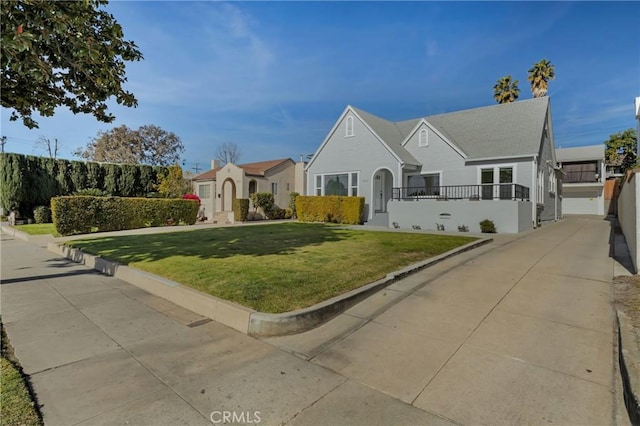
241, 318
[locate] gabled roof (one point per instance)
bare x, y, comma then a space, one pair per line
496, 131
504, 130
391, 133
250, 169
580, 153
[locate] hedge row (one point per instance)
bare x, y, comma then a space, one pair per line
240, 209
330, 208
28, 181
84, 214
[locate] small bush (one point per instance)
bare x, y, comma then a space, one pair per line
191, 197
42, 214
487, 226
330, 208
292, 203
278, 214
83, 214
264, 201
240, 209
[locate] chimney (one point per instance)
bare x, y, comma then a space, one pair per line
215, 164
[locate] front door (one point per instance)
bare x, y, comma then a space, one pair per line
378, 192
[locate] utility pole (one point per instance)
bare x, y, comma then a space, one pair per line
3, 140
196, 168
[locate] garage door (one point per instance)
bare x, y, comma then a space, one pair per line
584, 202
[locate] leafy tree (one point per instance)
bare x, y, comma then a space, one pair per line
148, 145
172, 183
62, 53
228, 152
506, 90
622, 148
539, 76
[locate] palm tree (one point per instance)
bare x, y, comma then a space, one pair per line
539, 76
506, 90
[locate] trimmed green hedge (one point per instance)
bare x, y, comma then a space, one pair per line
240, 209
84, 214
330, 208
28, 181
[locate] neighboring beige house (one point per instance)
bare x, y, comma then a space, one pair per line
218, 187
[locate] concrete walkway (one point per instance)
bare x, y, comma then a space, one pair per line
517, 332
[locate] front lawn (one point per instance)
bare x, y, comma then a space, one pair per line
38, 229
272, 268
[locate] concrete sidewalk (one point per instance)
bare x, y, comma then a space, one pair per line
516, 332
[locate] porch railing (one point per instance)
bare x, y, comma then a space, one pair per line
501, 191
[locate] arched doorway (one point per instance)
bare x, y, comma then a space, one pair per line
382, 190
228, 195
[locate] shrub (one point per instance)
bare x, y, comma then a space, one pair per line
330, 208
42, 214
264, 201
191, 197
240, 209
488, 226
84, 214
292, 203
278, 214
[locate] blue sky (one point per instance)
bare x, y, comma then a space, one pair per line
273, 77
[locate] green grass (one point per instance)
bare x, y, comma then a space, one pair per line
38, 229
272, 268
16, 405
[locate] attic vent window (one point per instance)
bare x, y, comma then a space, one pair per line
349, 128
423, 138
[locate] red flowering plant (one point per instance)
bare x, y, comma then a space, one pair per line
193, 197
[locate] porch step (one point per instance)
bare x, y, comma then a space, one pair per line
222, 217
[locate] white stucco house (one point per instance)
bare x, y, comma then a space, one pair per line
448, 170
218, 187
583, 179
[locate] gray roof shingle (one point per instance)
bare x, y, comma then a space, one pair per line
488, 132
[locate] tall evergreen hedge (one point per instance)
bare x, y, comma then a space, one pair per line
27, 181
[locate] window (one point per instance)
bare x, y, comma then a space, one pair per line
552, 180
287, 186
424, 184
349, 127
423, 138
354, 184
204, 191
274, 188
497, 182
337, 184
540, 197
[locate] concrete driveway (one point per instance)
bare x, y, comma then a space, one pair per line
517, 332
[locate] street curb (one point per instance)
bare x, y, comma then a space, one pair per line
270, 325
6, 229
629, 366
241, 318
